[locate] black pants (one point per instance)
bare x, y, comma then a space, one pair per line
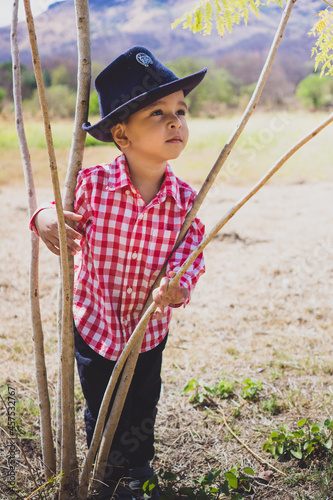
133, 443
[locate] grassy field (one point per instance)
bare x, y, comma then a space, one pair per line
266, 137
254, 344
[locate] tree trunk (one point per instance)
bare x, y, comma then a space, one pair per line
67, 425
38, 337
74, 166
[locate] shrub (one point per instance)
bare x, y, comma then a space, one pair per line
315, 92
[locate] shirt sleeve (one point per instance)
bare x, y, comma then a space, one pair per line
43, 206
80, 206
81, 201
192, 239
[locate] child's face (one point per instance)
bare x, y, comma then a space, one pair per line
159, 131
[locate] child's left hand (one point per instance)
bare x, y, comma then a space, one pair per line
162, 299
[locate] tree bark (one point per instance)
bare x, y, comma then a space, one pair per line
67, 425
37, 330
74, 166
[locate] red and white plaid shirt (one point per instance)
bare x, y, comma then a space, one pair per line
125, 244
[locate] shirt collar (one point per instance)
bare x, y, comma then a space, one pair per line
170, 187
119, 174
120, 177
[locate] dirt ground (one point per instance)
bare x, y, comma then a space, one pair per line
263, 310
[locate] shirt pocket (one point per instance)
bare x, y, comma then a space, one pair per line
160, 245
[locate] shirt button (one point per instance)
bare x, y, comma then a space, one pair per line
125, 322
127, 192
134, 255
129, 290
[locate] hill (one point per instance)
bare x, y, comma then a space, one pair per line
118, 24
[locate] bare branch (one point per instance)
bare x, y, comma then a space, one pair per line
241, 203
38, 337
82, 100
207, 184
117, 407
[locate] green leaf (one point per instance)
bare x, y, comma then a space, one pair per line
249, 471
169, 476
188, 492
309, 448
328, 444
191, 385
225, 488
296, 454
302, 422
232, 480
236, 496
280, 449
298, 434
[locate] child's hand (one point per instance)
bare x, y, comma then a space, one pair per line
46, 224
162, 299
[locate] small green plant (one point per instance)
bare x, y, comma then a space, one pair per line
233, 484
149, 486
27, 412
239, 480
203, 394
207, 486
273, 405
300, 443
251, 389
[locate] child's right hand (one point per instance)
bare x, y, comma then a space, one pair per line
46, 224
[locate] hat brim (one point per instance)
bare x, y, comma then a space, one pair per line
102, 129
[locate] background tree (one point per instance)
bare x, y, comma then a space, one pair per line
225, 14
3, 94
315, 92
61, 75
218, 87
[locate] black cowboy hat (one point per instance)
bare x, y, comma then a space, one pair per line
132, 81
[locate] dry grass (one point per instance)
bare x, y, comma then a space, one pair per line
262, 310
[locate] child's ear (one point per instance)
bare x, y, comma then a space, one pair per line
119, 135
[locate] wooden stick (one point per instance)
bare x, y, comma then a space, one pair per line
130, 350
213, 173
117, 407
37, 330
223, 156
67, 424
246, 198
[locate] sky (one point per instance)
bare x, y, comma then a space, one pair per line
6, 9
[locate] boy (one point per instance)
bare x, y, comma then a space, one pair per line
128, 215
